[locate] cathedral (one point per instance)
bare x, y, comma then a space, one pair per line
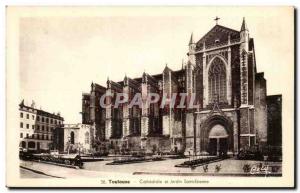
230, 94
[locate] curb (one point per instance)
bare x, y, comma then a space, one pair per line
39, 172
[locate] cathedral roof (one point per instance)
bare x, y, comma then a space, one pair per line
218, 32
98, 87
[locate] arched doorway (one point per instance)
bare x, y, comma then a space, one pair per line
218, 140
216, 134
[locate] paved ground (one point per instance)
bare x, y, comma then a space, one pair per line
99, 168
228, 166
24, 173
62, 172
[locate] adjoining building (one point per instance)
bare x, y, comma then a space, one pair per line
74, 138
92, 112
36, 127
231, 94
274, 107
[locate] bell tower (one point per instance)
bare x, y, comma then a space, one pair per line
247, 133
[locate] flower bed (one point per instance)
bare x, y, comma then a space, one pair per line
199, 162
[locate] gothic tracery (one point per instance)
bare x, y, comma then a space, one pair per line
217, 81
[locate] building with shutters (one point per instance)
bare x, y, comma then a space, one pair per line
36, 127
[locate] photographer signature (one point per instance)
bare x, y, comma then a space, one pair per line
260, 169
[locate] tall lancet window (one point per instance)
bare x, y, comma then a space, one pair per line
217, 81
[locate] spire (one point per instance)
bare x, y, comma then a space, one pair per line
108, 82
244, 26
144, 77
92, 86
125, 80
191, 40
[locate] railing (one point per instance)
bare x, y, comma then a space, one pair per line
219, 44
235, 40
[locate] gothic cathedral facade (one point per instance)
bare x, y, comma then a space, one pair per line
230, 94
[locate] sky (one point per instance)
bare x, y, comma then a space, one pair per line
62, 52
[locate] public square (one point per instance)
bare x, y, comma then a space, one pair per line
229, 167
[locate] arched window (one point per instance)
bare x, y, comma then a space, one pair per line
72, 137
198, 85
87, 137
217, 81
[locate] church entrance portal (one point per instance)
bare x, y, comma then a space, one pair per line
218, 140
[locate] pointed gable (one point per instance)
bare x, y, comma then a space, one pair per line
218, 34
